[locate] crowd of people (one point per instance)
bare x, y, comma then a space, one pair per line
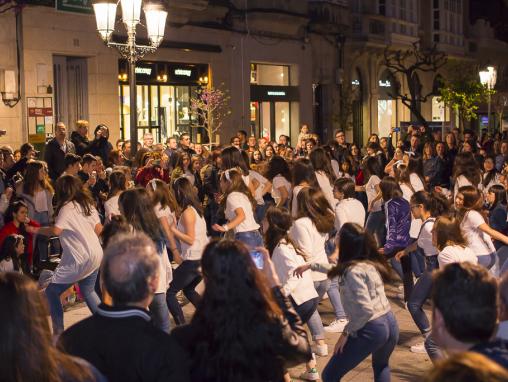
253, 234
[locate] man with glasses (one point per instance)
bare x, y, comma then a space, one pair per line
342, 150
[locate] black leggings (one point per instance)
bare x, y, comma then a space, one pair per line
186, 277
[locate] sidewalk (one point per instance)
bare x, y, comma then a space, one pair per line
405, 365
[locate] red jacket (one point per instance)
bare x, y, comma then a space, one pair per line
10, 229
146, 174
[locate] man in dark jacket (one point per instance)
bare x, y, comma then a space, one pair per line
120, 340
28, 152
54, 154
80, 138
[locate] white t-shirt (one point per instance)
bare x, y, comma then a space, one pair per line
278, 182
461, 181
258, 193
416, 182
82, 251
165, 213
286, 260
370, 190
111, 207
416, 224
478, 241
456, 254
194, 251
238, 200
349, 210
425, 238
41, 201
326, 187
311, 242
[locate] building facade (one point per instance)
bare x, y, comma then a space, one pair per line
283, 63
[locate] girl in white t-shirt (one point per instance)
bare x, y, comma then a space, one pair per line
303, 176
466, 172
376, 219
78, 226
191, 232
165, 207
427, 207
136, 205
117, 184
286, 258
278, 173
238, 204
324, 173
475, 229
451, 244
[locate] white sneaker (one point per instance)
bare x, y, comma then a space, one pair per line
336, 326
310, 375
321, 350
418, 348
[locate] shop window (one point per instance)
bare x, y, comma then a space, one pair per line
273, 75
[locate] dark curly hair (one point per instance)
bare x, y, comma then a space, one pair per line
237, 321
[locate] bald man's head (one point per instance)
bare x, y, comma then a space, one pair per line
129, 267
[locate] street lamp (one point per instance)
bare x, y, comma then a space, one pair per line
155, 15
488, 78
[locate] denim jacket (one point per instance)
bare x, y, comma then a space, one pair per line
398, 223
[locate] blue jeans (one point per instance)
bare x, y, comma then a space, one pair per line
502, 254
259, 213
305, 310
251, 239
376, 225
186, 277
159, 312
315, 324
53, 292
333, 293
491, 262
378, 337
403, 269
417, 262
420, 294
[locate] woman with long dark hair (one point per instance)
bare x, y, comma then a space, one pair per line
117, 184
372, 328
38, 192
475, 229
222, 342
138, 209
303, 175
466, 172
278, 173
17, 222
239, 205
190, 230
286, 258
28, 352
324, 173
78, 226
496, 199
490, 176
13, 247
310, 232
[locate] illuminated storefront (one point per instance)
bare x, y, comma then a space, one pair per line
164, 91
386, 113
273, 102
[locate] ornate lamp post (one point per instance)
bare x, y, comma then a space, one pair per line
488, 78
155, 15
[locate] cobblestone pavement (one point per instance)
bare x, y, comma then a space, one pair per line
405, 365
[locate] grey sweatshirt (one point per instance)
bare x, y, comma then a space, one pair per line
362, 293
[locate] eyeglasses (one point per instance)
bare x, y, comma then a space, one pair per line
415, 206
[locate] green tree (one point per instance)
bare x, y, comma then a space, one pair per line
462, 91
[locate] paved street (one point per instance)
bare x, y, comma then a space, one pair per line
406, 366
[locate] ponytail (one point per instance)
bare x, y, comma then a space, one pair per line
433, 202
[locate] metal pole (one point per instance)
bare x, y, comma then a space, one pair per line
488, 113
132, 93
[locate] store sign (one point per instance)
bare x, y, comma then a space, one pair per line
385, 84
276, 93
78, 6
146, 71
183, 72
355, 82
40, 111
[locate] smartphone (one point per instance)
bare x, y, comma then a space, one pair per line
396, 129
257, 257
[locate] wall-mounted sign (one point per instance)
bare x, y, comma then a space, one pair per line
355, 82
40, 111
78, 6
274, 93
147, 71
183, 72
385, 84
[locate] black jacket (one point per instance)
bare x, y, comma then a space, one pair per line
125, 346
54, 156
101, 147
81, 143
289, 342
